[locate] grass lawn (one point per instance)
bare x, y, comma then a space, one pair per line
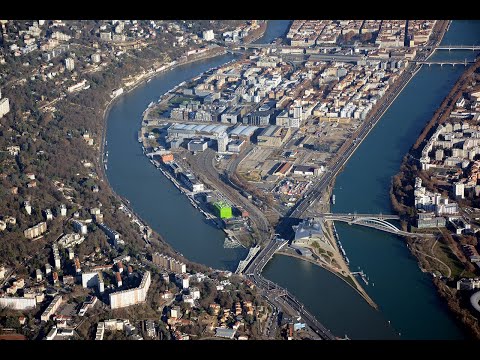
444, 253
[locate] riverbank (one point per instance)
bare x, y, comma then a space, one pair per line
141, 79
446, 262
350, 280
404, 294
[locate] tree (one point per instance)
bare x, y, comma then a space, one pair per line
12, 322
225, 300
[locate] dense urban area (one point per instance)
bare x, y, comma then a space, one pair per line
437, 190
253, 144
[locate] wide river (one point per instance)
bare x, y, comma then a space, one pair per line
408, 302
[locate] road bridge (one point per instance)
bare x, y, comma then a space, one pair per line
281, 298
441, 63
374, 221
459, 47
263, 257
243, 263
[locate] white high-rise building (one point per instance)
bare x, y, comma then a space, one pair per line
95, 58
297, 112
63, 210
459, 190
222, 141
28, 207
4, 106
208, 35
69, 64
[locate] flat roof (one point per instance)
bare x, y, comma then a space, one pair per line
304, 168
224, 332
243, 130
209, 128
270, 130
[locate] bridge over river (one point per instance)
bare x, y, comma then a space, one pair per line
375, 221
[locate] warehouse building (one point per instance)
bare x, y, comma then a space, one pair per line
236, 146
191, 182
274, 136
243, 132
197, 145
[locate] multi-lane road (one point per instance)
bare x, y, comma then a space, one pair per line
350, 146
286, 300
317, 190
253, 270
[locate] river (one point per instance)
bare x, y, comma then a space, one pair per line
151, 195
405, 295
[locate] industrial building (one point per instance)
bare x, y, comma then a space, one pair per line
177, 133
129, 297
169, 263
306, 170
191, 182
197, 145
166, 158
274, 136
283, 169
236, 146
222, 210
244, 132
189, 131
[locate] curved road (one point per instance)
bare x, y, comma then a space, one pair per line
202, 163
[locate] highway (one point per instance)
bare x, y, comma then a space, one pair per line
253, 270
348, 149
287, 301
